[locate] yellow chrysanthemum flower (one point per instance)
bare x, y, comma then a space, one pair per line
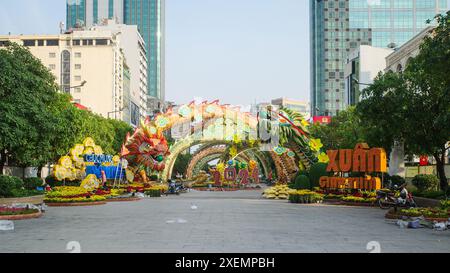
315, 144
323, 158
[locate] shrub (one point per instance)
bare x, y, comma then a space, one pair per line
425, 182
431, 194
316, 172
31, 183
153, 193
9, 184
397, 180
53, 182
153, 177
302, 183
445, 204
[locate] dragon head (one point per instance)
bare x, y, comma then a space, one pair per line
147, 147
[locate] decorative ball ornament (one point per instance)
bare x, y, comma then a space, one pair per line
279, 150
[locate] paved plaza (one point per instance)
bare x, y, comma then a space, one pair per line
222, 222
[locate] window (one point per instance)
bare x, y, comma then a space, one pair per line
77, 66
29, 42
52, 66
77, 78
53, 42
4, 43
77, 101
52, 55
76, 42
78, 90
65, 71
40, 42
101, 42
88, 42
77, 54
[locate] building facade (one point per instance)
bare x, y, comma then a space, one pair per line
296, 105
363, 65
148, 16
398, 60
89, 65
338, 26
133, 46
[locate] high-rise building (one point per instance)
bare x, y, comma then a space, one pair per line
337, 26
148, 15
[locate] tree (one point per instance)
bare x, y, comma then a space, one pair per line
181, 163
37, 123
414, 106
344, 132
26, 90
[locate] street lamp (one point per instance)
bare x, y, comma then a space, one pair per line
83, 83
360, 83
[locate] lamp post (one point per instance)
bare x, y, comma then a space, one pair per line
83, 83
360, 83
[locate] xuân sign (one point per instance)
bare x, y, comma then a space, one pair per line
363, 160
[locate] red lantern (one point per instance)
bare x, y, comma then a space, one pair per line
423, 160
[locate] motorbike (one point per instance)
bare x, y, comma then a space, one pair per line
387, 199
173, 189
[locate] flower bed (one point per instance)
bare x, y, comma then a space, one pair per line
277, 192
123, 199
305, 197
11, 213
358, 200
431, 214
75, 196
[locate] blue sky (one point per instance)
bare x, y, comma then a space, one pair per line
238, 51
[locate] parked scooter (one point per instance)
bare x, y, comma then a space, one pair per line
388, 199
173, 188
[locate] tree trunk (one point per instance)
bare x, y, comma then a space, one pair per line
440, 166
39, 171
2, 161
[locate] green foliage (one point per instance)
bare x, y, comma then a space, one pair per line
153, 193
316, 172
395, 180
302, 183
52, 182
344, 132
9, 184
414, 106
31, 183
430, 194
38, 124
181, 164
424, 182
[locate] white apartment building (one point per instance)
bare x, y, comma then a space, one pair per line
91, 66
133, 45
362, 66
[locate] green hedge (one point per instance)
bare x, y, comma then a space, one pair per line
425, 182
31, 183
9, 185
302, 183
316, 172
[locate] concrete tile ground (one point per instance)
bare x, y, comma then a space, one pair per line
224, 222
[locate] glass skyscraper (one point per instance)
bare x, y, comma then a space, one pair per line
148, 15
338, 26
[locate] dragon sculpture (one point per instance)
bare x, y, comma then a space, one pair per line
145, 150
